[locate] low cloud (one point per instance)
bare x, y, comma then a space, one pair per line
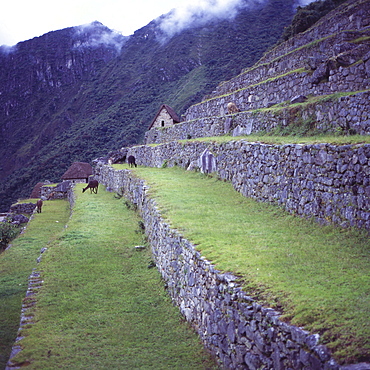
199, 12
95, 34
4, 49
304, 2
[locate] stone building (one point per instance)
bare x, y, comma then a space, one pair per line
165, 117
78, 172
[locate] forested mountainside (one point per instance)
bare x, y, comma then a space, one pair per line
75, 94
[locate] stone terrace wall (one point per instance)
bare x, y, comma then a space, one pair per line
236, 329
18, 208
310, 57
333, 56
352, 15
331, 36
328, 182
285, 88
345, 114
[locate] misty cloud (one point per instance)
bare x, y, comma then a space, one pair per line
199, 12
4, 49
304, 2
95, 34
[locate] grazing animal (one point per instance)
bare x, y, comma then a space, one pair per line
131, 161
39, 205
93, 186
232, 108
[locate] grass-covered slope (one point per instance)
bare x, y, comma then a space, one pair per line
100, 306
16, 264
318, 276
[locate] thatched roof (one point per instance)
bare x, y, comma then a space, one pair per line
78, 170
170, 111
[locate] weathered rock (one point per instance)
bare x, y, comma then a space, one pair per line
298, 99
19, 208
19, 218
321, 73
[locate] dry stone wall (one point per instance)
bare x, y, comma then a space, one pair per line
345, 114
18, 208
330, 183
234, 327
352, 15
332, 57
335, 35
282, 89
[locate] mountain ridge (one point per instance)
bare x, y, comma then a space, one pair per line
65, 104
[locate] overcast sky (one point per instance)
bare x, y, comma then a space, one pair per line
22, 20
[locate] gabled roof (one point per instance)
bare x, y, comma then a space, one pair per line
170, 111
78, 170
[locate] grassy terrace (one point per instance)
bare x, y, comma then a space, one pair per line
100, 306
289, 139
318, 277
16, 265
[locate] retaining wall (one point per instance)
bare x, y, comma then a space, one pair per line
344, 114
330, 183
236, 329
351, 15
332, 49
282, 89
18, 208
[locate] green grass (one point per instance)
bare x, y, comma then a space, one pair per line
317, 276
101, 307
16, 265
284, 140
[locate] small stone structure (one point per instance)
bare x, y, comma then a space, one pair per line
56, 191
19, 208
78, 172
165, 117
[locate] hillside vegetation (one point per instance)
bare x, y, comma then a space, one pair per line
308, 15
64, 99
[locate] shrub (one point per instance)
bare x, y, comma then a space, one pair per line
8, 232
307, 16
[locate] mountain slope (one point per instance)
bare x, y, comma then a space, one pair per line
66, 96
